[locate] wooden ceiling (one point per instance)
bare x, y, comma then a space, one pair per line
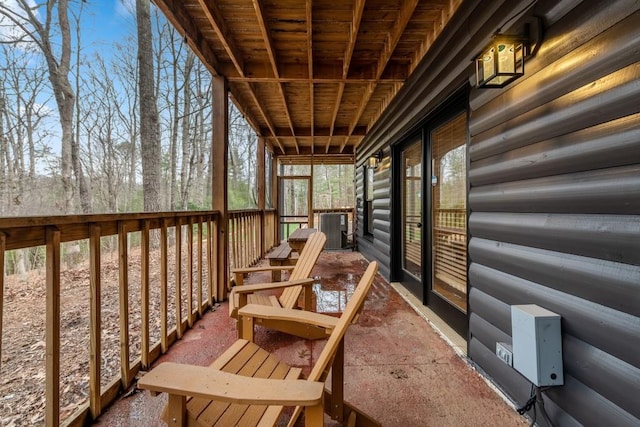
312, 77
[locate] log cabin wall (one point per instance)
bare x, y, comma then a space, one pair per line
555, 204
554, 196
378, 245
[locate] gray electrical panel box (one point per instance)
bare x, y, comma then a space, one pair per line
334, 226
537, 344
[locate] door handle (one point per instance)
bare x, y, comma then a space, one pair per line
419, 225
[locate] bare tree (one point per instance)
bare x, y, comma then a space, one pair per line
41, 33
149, 120
126, 71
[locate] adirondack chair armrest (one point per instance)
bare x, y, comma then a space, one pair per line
210, 383
263, 268
249, 289
290, 315
238, 273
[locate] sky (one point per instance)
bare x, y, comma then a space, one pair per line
103, 23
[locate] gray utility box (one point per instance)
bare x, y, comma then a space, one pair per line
537, 344
335, 226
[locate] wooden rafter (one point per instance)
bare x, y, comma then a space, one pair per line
356, 18
266, 36
174, 12
257, 5
309, 13
266, 118
390, 44
217, 23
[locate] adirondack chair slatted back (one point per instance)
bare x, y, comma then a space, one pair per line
322, 366
307, 260
354, 306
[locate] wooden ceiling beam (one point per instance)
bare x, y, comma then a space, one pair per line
214, 17
291, 151
324, 71
283, 132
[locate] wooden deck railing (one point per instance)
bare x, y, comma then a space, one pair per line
251, 234
179, 245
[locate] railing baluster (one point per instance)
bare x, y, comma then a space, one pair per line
178, 277
52, 411
144, 295
209, 261
123, 275
163, 285
237, 262
190, 272
95, 348
3, 245
200, 237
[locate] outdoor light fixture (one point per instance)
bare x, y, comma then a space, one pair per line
374, 161
501, 62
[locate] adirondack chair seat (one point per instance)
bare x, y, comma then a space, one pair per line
247, 385
305, 324
298, 282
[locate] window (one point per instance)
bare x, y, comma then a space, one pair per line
268, 177
368, 200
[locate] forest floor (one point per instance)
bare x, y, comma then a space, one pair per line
22, 368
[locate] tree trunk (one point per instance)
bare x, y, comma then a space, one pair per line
149, 138
83, 186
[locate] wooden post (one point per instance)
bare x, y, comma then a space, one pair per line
262, 183
176, 410
123, 266
310, 195
52, 408
219, 151
275, 202
95, 352
337, 384
144, 295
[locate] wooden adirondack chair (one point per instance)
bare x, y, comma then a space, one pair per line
247, 385
298, 282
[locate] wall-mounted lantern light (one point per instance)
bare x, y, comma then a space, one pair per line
501, 62
374, 161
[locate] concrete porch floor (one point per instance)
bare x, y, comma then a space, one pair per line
398, 369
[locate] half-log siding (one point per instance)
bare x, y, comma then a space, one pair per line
555, 204
554, 195
377, 246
